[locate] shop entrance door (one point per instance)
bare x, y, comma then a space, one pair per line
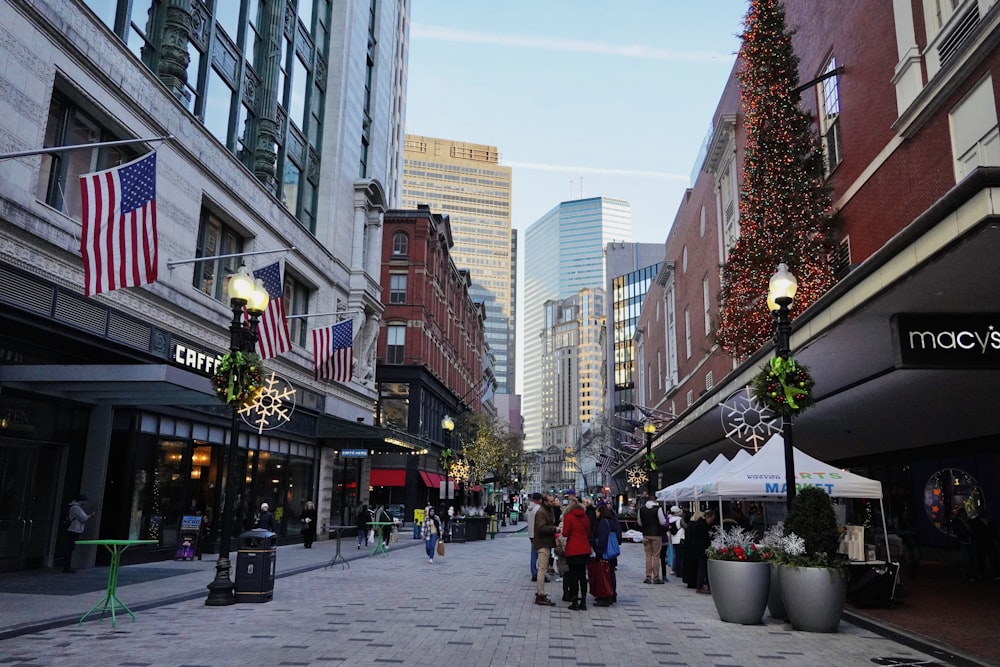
28, 486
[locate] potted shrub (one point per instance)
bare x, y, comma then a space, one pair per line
813, 575
740, 575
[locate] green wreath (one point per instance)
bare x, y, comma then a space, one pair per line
238, 378
649, 463
784, 386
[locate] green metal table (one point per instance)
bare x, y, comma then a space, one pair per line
380, 547
111, 600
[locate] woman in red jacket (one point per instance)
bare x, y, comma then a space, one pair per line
576, 530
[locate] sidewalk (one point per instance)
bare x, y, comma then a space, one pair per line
33, 601
473, 606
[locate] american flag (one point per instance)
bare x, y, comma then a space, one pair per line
333, 351
118, 243
272, 330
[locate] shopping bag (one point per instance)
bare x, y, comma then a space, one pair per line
599, 578
371, 536
440, 548
394, 535
612, 550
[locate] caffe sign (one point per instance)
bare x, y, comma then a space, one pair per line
947, 340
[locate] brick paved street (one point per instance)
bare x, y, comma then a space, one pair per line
472, 607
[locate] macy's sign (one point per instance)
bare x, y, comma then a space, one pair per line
948, 340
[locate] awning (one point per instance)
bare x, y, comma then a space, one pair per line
387, 477
432, 479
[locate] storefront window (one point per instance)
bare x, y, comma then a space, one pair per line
165, 498
952, 495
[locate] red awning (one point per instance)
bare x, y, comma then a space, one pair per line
388, 477
432, 479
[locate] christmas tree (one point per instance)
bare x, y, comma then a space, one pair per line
784, 204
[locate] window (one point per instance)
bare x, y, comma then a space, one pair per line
296, 302
400, 244
728, 207
397, 288
974, 138
216, 238
58, 177
707, 296
829, 117
395, 343
687, 332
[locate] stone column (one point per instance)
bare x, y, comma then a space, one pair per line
173, 62
271, 23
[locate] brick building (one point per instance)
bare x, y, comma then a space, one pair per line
910, 135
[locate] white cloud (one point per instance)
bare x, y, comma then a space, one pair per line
440, 33
604, 171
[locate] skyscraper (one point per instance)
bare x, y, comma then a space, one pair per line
564, 254
467, 183
631, 267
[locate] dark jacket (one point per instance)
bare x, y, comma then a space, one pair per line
308, 527
602, 530
576, 530
266, 521
363, 518
545, 529
697, 537
651, 519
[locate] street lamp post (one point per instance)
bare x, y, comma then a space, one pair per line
780, 293
245, 293
649, 428
447, 426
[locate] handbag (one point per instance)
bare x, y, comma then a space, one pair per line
440, 548
394, 535
560, 547
612, 550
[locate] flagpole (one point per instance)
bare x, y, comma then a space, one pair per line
306, 315
79, 147
171, 263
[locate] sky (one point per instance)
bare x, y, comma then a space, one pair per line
581, 98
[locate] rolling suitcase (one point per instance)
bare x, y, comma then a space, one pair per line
599, 578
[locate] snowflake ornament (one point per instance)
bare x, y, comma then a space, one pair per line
636, 476
746, 421
271, 407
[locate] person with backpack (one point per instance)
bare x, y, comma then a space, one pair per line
76, 521
607, 526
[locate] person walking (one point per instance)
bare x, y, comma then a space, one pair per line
265, 519
607, 523
364, 516
431, 531
652, 522
76, 521
529, 517
576, 530
545, 541
308, 520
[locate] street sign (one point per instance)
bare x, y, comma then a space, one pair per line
354, 453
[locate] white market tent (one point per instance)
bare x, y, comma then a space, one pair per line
704, 468
763, 477
668, 493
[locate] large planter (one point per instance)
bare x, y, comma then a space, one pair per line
774, 604
813, 597
739, 590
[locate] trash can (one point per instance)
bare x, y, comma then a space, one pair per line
458, 530
255, 566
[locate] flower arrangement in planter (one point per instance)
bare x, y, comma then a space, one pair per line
739, 574
738, 544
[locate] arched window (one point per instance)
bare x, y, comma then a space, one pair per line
400, 244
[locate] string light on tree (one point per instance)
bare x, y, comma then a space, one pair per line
785, 212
